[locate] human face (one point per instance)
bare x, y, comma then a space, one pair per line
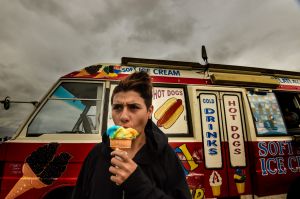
129, 110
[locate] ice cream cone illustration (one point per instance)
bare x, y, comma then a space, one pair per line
215, 182
239, 179
40, 169
120, 137
28, 181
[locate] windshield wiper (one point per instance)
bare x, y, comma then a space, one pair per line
57, 132
70, 132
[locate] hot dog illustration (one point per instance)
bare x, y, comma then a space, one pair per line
169, 112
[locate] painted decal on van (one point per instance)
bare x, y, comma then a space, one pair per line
187, 157
197, 193
235, 130
169, 110
152, 71
190, 160
98, 71
278, 157
168, 113
215, 182
210, 130
41, 169
239, 179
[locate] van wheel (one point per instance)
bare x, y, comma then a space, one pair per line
60, 193
294, 190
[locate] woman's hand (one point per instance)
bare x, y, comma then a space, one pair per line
122, 166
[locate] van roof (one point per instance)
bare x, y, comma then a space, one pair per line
187, 72
169, 64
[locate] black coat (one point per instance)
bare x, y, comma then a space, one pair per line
159, 174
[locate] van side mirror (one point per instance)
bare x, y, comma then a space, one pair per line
6, 103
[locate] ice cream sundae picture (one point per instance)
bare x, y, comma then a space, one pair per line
215, 182
120, 137
239, 179
40, 169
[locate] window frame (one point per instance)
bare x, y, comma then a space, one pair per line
254, 121
187, 108
297, 96
49, 96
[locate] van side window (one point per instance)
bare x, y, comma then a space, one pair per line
290, 106
72, 108
266, 113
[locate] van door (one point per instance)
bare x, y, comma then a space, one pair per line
224, 144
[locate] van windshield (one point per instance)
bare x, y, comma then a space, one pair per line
73, 107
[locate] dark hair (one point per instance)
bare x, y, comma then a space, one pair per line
139, 82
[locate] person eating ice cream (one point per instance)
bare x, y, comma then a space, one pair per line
148, 168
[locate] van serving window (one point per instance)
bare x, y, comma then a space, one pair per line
290, 106
266, 112
72, 108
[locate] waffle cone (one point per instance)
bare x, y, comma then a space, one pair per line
28, 181
120, 143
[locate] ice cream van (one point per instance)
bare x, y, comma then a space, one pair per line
236, 131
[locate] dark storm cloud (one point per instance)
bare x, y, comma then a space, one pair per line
18, 86
12, 118
62, 11
43, 40
160, 27
250, 33
153, 17
51, 7
163, 23
17, 83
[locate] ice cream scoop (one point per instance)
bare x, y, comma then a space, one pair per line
121, 137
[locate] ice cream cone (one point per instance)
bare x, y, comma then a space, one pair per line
121, 137
120, 143
240, 187
28, 181
216, 190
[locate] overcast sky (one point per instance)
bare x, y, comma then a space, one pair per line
43, 40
